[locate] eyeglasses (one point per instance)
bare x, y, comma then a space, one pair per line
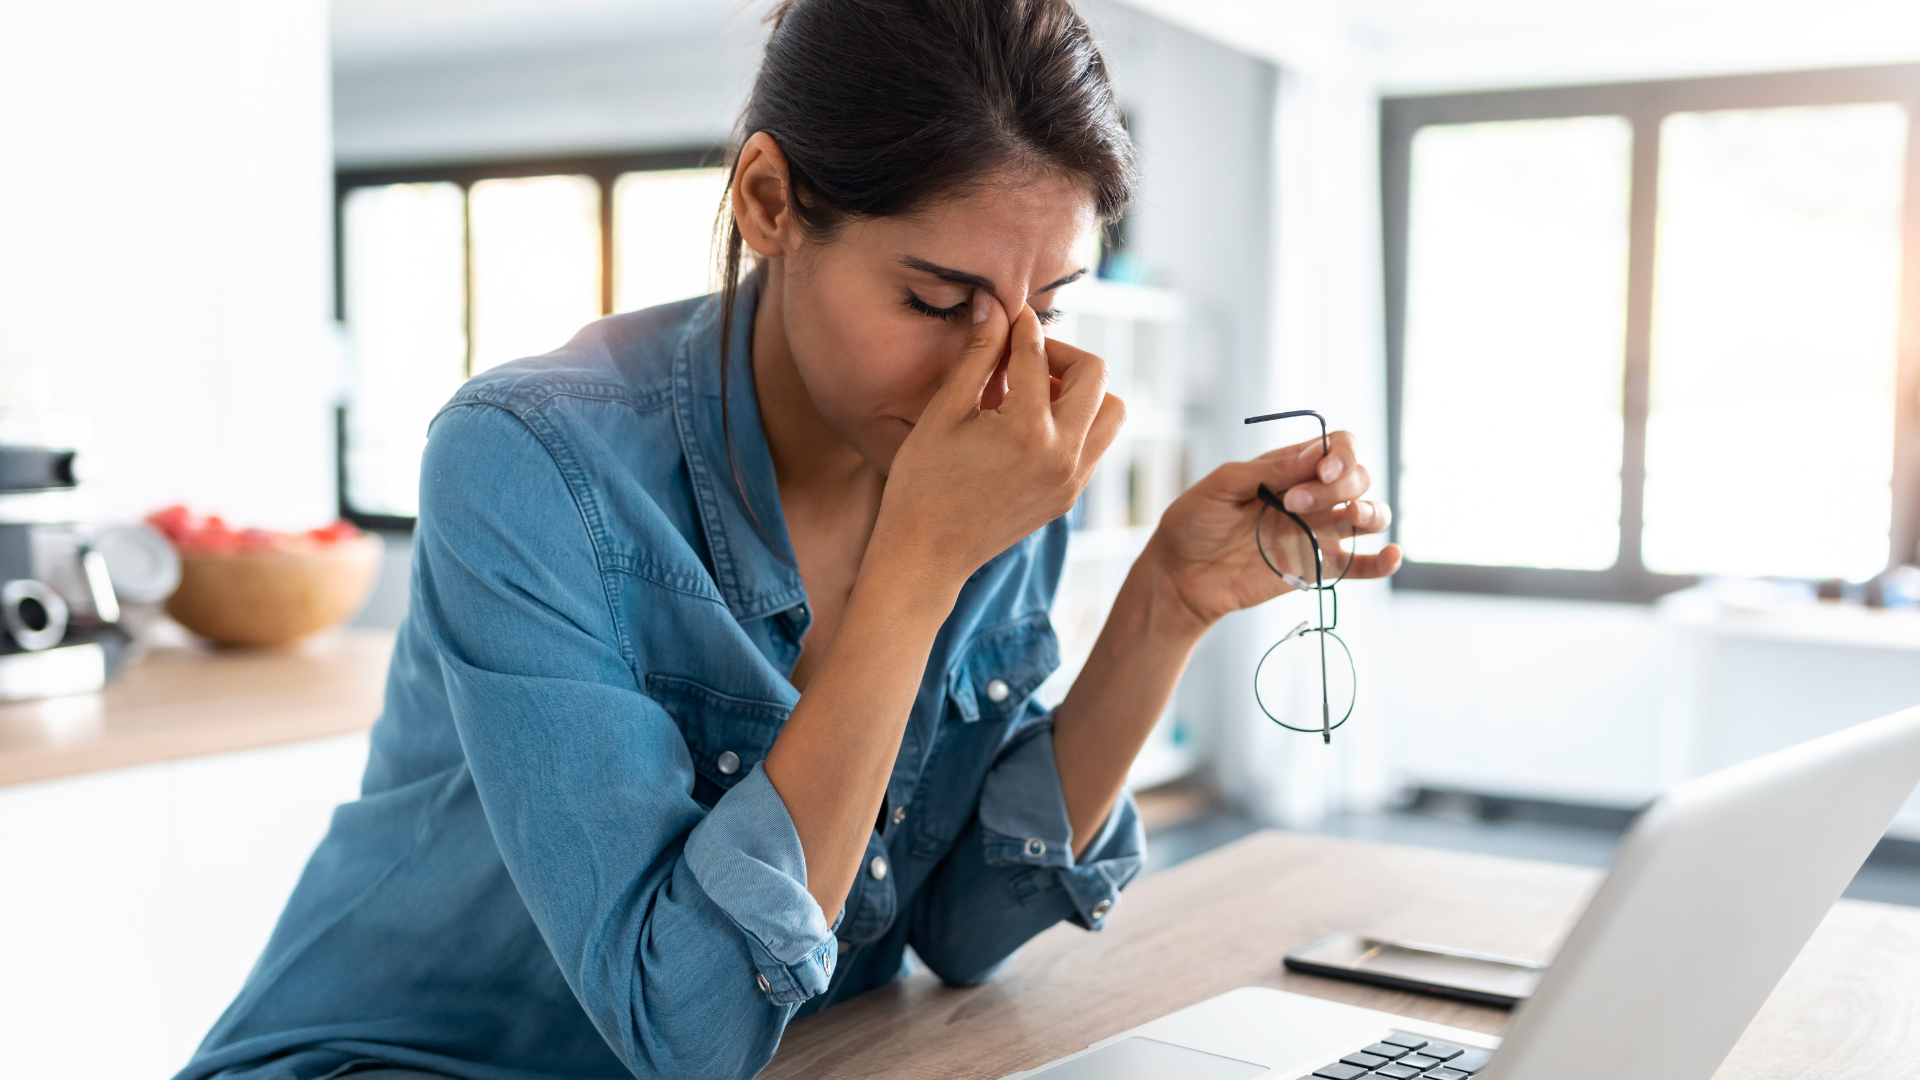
1323, 596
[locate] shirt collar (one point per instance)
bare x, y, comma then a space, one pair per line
739, 500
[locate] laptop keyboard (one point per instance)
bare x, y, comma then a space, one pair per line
1403, 1056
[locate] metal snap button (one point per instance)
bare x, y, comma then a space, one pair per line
899, 814
765, 986
878, 867
997, 691
728, 763
1100, 909
1036, 847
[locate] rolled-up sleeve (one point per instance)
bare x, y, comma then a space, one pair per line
747, 857
686, 934
1013, 873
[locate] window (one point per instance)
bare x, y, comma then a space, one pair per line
446, 272
1645, 332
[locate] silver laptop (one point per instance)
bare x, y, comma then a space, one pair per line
1713, 892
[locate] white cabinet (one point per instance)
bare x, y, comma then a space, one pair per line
133, 902
1746, 683
1612, 703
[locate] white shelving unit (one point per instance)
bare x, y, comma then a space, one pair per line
1141, 332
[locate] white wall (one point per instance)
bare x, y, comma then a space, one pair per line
165, 244
605, 96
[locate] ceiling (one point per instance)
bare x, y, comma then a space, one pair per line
1413, 44
399, 31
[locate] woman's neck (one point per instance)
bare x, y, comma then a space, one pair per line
829, 494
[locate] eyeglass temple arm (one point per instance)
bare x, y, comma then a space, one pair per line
1326, 447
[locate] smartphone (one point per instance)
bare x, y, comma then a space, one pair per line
1423, 969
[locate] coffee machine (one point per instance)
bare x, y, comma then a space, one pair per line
59, 615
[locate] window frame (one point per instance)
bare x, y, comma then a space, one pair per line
603, 169
1644, 105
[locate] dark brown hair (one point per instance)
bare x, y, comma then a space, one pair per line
883, 106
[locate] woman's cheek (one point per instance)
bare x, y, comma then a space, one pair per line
901, 371
922, 376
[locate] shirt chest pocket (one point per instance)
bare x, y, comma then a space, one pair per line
1001, 668
726, 735
991, 679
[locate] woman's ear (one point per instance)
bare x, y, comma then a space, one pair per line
762, 198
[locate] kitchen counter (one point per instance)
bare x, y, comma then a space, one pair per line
184, 700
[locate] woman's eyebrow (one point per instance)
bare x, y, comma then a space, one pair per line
961, 277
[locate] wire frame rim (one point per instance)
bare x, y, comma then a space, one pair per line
1352, 670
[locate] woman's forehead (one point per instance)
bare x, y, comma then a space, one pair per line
1009, 233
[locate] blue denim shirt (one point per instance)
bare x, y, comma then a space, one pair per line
566, 859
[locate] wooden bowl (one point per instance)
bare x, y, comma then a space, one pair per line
273, 597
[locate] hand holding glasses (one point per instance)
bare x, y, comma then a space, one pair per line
1322, 590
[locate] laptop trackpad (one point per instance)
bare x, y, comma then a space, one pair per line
1151, 1059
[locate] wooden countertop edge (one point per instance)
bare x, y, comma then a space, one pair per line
128, 749
184, 700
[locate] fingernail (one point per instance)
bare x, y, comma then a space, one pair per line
1330, 469
1299, 501
980, 303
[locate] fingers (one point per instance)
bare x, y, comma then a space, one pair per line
1323, 476
1083, 385
1365, 566
1361, 517
1101, 433
1295, 472
1027, 382
986, 343
1312, 496
1301, 495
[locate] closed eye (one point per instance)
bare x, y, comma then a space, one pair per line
931, 312
965, 307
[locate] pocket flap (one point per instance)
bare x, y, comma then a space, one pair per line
1001, 668
726, 735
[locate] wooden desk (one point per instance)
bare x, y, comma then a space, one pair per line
183, 701
1850, 1006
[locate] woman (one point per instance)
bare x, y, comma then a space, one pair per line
714, 692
